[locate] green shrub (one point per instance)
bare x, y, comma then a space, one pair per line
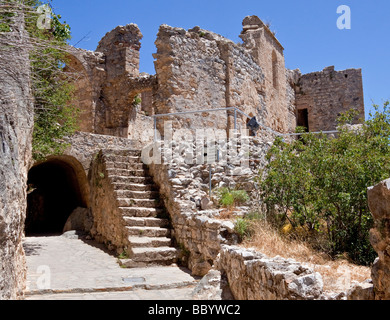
320, 183
228, 198
243, 228
240, 196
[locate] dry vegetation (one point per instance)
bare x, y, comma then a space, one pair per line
337, 275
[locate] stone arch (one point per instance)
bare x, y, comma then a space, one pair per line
79, 74
56, 187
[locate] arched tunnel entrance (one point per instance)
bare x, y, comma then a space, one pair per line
55, 188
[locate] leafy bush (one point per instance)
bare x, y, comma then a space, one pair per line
320, 183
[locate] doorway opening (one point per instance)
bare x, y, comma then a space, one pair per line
303, 119
55, 188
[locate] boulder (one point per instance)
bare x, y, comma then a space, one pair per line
78, 220
379, 204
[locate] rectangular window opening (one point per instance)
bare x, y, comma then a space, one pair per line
303, 119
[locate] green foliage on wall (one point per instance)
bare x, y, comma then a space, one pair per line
54, 116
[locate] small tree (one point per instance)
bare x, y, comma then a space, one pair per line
320, 183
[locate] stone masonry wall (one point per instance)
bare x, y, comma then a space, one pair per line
191, 76
84, 146
108, 225
16, 122
254, 276
198, 69
267, 52
245, 83
328, 93
87, 71
198, 228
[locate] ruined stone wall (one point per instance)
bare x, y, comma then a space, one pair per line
86, 69
245, 83
184, 187
107, 82
191, 76
198, 69
268, 54
83, 146
292, 77
328, 93
16, 122
121, 48
195, 70
254, 276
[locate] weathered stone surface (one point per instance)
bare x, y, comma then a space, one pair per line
213, 286
361, 291
379, 204
87, 70
254, 276
379, 200
267, 52
80, 219
121, 47
193, 78
16, 122
339, 91
108, 225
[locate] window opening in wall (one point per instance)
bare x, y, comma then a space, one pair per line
303, 119
275, 70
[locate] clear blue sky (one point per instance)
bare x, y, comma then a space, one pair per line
306, 28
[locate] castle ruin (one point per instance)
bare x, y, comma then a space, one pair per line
159, 213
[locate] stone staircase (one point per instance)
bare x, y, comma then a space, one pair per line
143, 213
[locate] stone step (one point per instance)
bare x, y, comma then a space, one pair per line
123, 152
146, 203
146, 222
136, 242
146, 257
125, 165
148, 231
150, 254
126, 173
140, 212
124, 179
134, 187
122, 159
137, 194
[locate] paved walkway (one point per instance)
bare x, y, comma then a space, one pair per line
66, 267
